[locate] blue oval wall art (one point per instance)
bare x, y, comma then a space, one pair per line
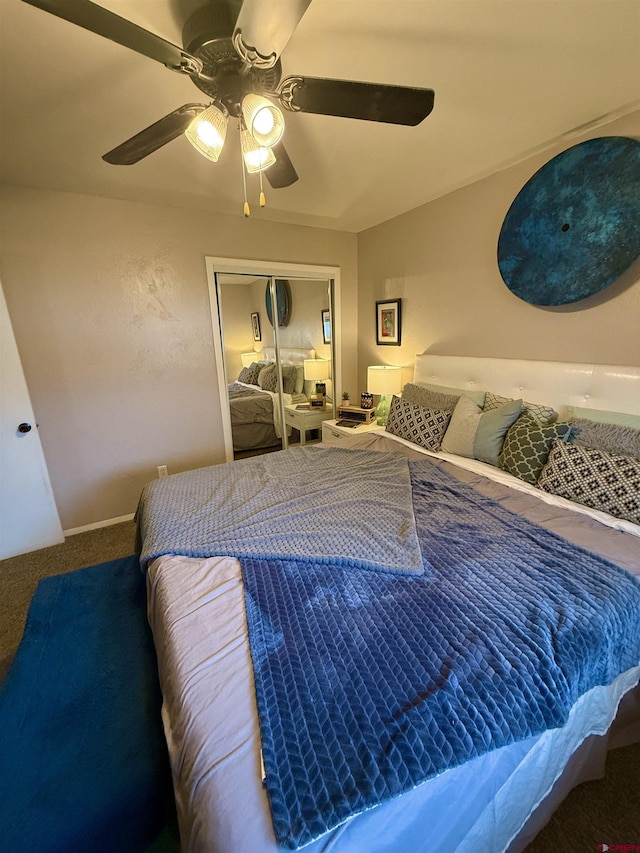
283, 301
574, 227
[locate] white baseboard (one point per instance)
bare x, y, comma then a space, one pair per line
106, 523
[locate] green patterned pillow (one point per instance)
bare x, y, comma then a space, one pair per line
609, 482
526, 447
543, 414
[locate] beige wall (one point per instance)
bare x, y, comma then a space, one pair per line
441, 260
110, 309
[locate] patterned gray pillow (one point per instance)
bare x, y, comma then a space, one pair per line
610, 437
421, 396
543, 414
268, 378
417, 424
250, 374
526, 447
606, 481
289, 376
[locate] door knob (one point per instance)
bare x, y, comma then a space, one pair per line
24, 428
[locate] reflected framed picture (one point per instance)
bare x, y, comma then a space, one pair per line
326, 326
388, 322
255, 325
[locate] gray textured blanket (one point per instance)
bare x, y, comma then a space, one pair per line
326, 504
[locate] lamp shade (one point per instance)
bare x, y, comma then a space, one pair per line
316, 368
207, 132
384, 379
248, 358
263, 120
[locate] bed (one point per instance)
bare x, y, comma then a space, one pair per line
255, 412
261, 763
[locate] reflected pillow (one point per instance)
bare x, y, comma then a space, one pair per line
250, 374
526, 447
289, 377
606, 481
417, 424
268, 378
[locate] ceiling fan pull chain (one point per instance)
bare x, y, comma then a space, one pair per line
263, 200
246, 208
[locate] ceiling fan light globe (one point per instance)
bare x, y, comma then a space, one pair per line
207, 132
263, 119
257, 158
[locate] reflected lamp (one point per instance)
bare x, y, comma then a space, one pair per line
248, 358
316, 369
384, 380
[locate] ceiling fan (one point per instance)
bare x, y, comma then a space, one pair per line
231, 51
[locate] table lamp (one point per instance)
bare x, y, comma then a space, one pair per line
385, 380
248, 358
316, 370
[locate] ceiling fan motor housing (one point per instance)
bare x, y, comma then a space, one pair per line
207, 34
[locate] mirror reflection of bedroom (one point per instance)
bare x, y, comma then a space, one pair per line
278, 376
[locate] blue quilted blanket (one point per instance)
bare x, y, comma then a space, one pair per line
370, 683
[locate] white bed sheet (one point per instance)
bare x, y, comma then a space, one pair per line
196, 609
277, 414
507, 479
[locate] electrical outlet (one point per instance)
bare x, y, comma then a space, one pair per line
162, 471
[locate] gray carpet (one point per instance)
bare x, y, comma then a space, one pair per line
606, 811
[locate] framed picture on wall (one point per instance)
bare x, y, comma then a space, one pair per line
388, 323
326, 326
255, 325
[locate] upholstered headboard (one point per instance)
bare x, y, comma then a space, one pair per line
559, 384
288, 355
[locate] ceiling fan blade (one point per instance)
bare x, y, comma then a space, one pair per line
349, 99
101, 21
264, 27
281, 174
154, 136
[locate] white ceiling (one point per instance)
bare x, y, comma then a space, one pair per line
510, 76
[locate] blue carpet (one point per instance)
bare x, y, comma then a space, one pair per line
83, 762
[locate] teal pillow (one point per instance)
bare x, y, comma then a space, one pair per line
492, 429
620, 418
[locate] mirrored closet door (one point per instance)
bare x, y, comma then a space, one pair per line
278, 356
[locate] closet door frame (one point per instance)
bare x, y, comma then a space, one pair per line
268, 269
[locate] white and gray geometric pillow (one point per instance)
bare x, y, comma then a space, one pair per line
417, 424
606, 481
543, 414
